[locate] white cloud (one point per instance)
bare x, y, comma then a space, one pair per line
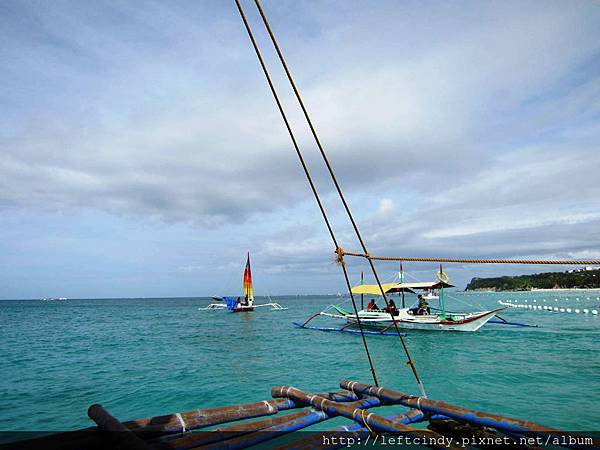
386, 206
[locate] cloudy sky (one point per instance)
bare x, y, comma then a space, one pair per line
142, 154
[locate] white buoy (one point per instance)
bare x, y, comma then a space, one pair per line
535, 301
568, 310
562, 309
576, 311
594, 312
555, 308
577, 299
585, 310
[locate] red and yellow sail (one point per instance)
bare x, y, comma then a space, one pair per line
248, 295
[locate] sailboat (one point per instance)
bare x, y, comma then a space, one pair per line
246, 302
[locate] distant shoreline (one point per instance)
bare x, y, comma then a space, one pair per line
482, 291
564, 289
584, 279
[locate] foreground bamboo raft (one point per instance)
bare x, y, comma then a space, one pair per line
426, 422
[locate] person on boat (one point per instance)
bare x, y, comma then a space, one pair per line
238, 304
423, 306
392, 307
250, 302
246, 300
372, 305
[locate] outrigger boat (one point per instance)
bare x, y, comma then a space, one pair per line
238, 304
411, 318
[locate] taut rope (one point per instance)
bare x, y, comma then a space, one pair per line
308, 177
341, 253
340, 194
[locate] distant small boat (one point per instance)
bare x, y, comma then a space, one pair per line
247, 304
238, 304
53, 299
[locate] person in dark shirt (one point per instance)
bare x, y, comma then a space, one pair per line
392, 307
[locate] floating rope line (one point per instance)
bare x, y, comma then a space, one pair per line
549, 308
308, 177
589, 262
339, 251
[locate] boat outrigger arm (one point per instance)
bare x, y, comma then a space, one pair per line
213, 307
220, 306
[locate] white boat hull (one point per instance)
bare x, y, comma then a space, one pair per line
406, 320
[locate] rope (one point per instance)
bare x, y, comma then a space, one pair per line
362, 416
339, 251
308, 177
589, 262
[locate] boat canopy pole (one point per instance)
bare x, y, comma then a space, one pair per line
402, 281
362, 296
442, 300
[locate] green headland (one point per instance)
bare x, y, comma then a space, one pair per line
585, 278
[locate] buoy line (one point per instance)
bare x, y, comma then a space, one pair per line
549, 308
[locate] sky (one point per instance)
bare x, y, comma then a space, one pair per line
141, 153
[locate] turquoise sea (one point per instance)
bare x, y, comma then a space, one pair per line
143, 357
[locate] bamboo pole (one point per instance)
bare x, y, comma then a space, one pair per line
200, 418
427, 438
92, 438
329, 440
294, 424
192, 440
118, 432
502, 423
476, 436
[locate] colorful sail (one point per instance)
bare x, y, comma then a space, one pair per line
248, 295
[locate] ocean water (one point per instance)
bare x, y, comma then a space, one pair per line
143, 357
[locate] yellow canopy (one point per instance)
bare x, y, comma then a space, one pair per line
372, 289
